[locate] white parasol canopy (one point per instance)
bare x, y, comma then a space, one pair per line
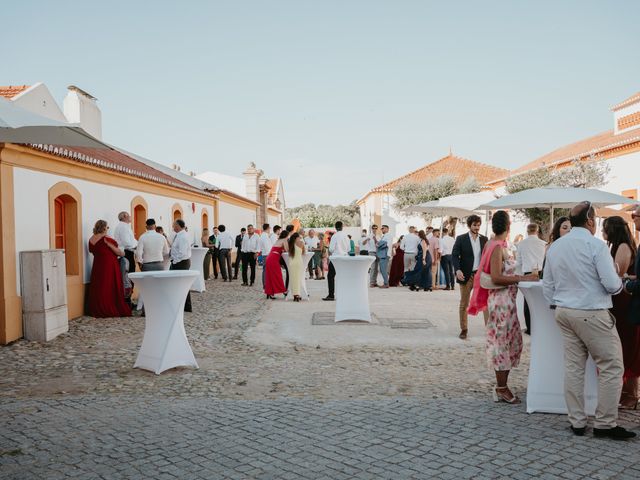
557, 197
18, 125
461, 205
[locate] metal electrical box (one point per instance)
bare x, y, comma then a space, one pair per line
44, 294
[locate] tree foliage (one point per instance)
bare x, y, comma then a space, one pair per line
586, 174
311, 215
412, 193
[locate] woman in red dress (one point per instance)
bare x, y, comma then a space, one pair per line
273, 283
617, 234
397, 265
106, 293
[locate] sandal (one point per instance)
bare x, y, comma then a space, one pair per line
499, 396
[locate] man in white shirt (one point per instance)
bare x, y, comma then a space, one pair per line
529, 259
338, 247
579, 279
312, 243
250, 249
409, 246
371, 243
265, 243
363, 248
446, 259
152, 248
181, 254
125, 238
224, 242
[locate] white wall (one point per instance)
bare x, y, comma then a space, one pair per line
274, 220
31, 198
83, 110
234, 217
38, 99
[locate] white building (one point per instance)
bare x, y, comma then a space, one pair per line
51, 197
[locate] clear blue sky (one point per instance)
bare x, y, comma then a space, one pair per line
333, 96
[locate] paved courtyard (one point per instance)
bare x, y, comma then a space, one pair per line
278, 397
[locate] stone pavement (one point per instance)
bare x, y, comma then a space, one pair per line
277, 397
148, 438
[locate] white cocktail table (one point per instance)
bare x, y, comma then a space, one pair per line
197, 263
352, 287
165, 343
545, 390
303, 284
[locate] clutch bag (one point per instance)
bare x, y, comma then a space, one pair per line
487, 283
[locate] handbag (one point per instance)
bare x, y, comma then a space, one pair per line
487, 283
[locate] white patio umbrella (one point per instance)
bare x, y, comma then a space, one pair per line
461, 205
557, 197
18, 125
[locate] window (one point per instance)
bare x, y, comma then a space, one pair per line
205, 220
139, 220
176, 212
59, 223
66, 234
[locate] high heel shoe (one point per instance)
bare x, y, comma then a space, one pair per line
271, 297
499, 395
297, 298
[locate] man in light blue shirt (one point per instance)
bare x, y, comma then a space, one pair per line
579, 279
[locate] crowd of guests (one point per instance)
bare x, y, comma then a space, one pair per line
591, 284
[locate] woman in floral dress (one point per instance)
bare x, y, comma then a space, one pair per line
504, 335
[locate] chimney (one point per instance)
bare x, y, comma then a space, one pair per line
252, 182
80, 107
175, 167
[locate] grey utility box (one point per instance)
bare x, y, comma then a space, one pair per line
44, 294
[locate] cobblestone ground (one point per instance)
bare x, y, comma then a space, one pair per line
74, 408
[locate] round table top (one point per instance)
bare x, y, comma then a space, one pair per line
357, 258
165, 274
199, 248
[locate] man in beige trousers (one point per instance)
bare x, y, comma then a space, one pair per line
579, 279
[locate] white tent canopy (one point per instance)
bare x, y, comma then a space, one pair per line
461, 205
18, 125
557, 197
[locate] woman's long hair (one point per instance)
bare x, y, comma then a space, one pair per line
555, 231
618, 232
292, 244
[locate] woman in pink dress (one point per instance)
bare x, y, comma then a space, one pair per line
273, 282
504, 335
106, 292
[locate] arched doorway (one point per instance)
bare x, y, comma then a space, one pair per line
176, 212
139, 216
65, 232
205, 219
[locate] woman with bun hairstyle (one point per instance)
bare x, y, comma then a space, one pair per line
504, 335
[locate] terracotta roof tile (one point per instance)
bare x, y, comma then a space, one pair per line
114, 160
11, 91
629, 101
460, 168
597, 144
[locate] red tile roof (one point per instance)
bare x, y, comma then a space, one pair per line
11, 91
629, 101
460, 168
598, 144
114, 160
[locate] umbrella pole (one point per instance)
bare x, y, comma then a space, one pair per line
551, 226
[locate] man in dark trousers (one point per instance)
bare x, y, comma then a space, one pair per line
236, 264
466, 254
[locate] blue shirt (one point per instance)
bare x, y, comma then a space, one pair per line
579, 272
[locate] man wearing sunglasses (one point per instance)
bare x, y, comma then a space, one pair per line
579, 279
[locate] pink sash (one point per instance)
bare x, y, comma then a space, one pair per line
480, 296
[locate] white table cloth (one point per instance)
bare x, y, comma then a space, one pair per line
545, 389
197, 263
165, 343
352, 287
303, 283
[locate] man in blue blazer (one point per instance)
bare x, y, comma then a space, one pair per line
466, 254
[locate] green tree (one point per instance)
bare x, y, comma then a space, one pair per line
586, 174
311, 215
